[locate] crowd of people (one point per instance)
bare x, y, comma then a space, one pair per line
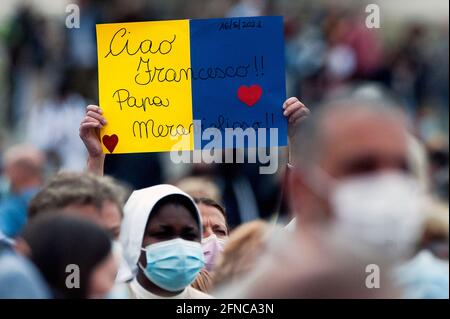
363, 184
355, 187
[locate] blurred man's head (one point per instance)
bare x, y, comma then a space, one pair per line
94, 197
23, 166
344, 139
351, 166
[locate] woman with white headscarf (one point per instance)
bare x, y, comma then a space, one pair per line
160, 236
160, 240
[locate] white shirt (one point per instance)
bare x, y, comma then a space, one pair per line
139, 292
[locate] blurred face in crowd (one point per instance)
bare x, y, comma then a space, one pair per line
215, 233
103, 277
109, 216
213, 221
362, 143
353, 143
54, 241
14, 173
23, 166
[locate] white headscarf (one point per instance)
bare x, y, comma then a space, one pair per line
136, 214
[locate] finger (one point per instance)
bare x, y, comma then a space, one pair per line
291, 109
298, 105
90, 125
88, 119
86, 131
96, 116
93, 122
289, 101
306, 110
94, 108
295, 102
298, 115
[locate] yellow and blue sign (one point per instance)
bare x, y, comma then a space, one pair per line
156, 78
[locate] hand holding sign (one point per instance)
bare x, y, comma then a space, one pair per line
156, 78
90, 130
294, 111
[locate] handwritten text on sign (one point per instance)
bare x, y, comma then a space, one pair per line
155, 78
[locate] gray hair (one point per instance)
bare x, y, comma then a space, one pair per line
68, 188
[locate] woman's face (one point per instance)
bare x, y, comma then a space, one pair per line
103, 277
171, 221
213, 221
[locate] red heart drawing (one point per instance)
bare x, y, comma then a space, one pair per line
110, 142
249, 95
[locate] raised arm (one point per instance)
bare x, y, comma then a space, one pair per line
90, 135
295, 111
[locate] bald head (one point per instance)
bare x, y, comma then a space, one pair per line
24, 165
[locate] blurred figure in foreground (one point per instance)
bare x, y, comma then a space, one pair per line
294, 266
98, 199
426, 274
24, 170
19, 278
356, 203
74, 256
246, 244
351, 173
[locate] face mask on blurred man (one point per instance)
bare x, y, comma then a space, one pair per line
380, 211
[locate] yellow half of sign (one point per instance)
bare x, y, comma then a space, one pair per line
145, 86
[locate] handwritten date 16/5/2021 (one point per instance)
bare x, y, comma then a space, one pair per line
239, 24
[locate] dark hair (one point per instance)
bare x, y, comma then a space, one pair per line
176, 199
58, 240
211, 202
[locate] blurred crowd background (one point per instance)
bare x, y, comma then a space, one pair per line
48, 74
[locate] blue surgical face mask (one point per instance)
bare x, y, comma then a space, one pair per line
174, 264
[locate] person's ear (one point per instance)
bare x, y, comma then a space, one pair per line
22, 247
